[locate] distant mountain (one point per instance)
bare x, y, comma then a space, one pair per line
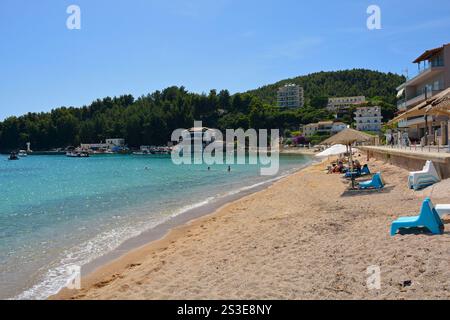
354, 82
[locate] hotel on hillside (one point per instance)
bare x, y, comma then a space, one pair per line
368, 119
323, 128
290, 96
340, 106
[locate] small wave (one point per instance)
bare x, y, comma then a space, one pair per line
56, 278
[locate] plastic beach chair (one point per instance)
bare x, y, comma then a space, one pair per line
363, 172
442, 209
375, 183
425, 178
428, 218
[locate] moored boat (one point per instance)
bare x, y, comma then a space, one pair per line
22, 154
77, 154
13, 156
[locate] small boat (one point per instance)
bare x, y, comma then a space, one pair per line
13, 156
160, 150
142, 153
77, 154
22, 154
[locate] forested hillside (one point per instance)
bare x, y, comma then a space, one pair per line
338, 84
151, 119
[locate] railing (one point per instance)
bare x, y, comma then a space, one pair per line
405, 103
420, 148
401, 104
428, 66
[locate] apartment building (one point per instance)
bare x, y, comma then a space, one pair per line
291, 96
323, 128
368, 119
341, 105
432, 78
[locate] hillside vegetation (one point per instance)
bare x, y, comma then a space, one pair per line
151, 119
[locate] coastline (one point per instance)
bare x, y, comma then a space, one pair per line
299, 151
118, 259
303, 237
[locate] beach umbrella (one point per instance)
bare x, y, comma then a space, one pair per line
348, 137
332, 151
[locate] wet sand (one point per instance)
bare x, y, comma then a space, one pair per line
304, 237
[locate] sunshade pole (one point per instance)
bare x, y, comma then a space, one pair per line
351, 167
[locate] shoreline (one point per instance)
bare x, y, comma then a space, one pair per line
117, 260
299, 151
304, 237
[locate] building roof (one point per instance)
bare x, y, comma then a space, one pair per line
429, 53
436, 103
325, 122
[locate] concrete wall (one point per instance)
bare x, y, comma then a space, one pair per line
411, 161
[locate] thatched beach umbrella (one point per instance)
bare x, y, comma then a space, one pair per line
348, 137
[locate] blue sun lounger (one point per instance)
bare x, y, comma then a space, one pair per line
428, 218
363, 172
375, 183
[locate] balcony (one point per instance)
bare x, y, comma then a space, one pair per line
430, 65
405, 123
404, 104
424, 74
401, 105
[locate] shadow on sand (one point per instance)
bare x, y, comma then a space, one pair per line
418, 231
357, 193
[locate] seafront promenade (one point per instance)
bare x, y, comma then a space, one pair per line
411, 158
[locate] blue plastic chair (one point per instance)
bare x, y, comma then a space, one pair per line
375, 183
363, 172
428, 218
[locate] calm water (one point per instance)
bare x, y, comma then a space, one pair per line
57, 211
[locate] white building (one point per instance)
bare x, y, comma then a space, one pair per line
324, 128
368, 119
340, 105
291, 96
108, 145
117, 142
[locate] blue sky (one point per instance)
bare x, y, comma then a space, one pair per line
138, 46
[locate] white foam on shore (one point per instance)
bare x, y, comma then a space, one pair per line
56, 278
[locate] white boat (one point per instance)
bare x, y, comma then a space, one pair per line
77, 154
22, 154
142, 153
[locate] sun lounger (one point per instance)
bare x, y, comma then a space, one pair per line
422, 179
363, 172
428, 218
442, 209
375, 183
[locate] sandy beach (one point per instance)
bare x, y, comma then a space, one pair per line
304, 237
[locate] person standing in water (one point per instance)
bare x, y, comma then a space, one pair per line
229, 168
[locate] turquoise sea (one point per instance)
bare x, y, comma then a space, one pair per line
57, 211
